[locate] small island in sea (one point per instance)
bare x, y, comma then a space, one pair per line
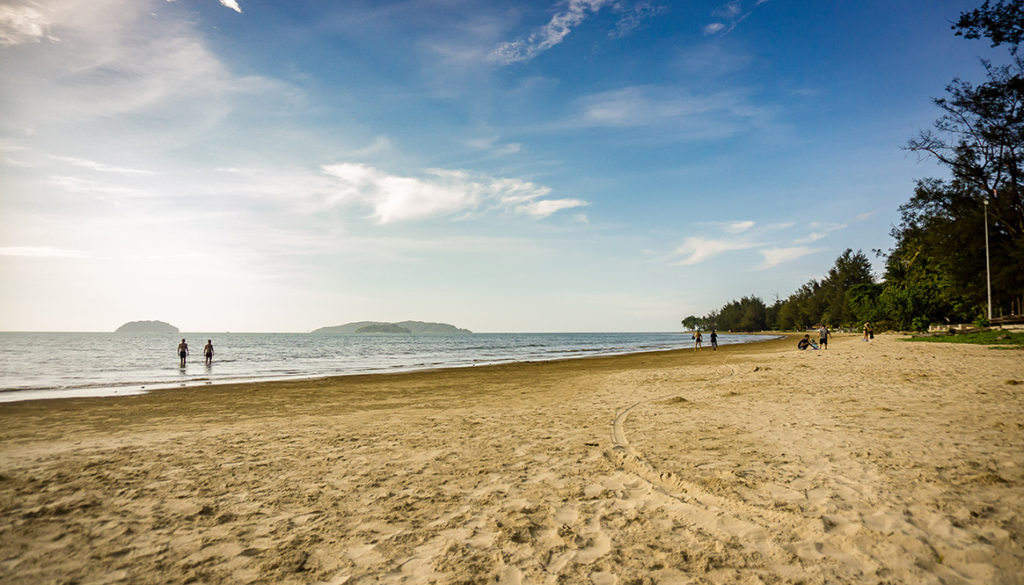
146, 327
383, 328
404, 327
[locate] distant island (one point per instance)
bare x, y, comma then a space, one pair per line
383, 328
146, 327
405, 327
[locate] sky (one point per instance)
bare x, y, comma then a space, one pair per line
503, 166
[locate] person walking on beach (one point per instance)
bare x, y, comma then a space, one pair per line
697, 338
867, 331
183, 352
823, 334
714, 340
208, 351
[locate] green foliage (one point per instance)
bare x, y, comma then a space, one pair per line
991, 337
936, 271
846, 296
1001, 22
837, 300
746, 314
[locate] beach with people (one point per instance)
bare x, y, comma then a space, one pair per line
888, 462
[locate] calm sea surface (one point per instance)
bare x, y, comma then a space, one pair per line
57, 365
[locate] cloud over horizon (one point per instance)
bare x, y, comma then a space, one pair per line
775, 256
742, 234
440, 192
699, 249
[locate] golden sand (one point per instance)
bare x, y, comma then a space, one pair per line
887, 462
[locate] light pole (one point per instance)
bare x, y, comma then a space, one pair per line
988, 272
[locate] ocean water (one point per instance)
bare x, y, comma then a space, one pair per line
57, 365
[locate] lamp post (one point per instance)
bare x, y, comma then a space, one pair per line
988, 272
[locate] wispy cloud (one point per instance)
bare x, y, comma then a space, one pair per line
495, 147
775, 256
690, 116
440, 192
746, 235
546, 207
695, 250
101, 167
232, 4
42, 252
865, 216
729, 15
738, 227
820, 229
633, 18
89, 186
547, 36
24, 23
115, 59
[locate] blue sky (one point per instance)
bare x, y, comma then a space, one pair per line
580, 165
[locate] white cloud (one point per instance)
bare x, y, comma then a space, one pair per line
730, 11
698, 249
634, 17
494, 147
729, 15
116, 59
80, 185
547, 36
547, 207
738, 227
689, 116
101, 167
713, 28
775, 256
232, 4
440, 192
21, 24
821, 229
42, 252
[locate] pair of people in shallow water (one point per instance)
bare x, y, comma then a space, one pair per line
207, 351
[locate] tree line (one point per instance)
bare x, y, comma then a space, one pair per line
936, 271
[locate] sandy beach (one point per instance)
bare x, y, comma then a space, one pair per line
888, 462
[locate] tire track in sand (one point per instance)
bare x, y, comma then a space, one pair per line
752, 527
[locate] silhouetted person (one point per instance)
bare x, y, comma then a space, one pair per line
208, 351
183, 352
714, 340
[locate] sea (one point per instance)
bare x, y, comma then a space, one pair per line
64, 365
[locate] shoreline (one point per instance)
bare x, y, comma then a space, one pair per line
865, 463
101, 390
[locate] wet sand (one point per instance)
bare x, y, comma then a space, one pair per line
887, 462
